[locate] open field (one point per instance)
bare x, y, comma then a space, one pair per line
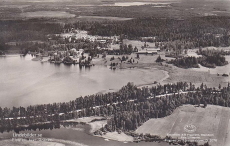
211, 122
197, 77
49, 14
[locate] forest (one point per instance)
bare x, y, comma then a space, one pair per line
24, 31
27, 30
190, 32
125, 109
185, 62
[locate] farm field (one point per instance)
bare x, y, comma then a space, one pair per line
211, 123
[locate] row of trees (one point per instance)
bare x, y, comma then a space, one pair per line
129, 107
82, 106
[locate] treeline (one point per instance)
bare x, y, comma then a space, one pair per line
27, 30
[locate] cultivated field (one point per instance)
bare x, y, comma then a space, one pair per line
211, 122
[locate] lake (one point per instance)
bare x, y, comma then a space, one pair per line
24, 82
81, 138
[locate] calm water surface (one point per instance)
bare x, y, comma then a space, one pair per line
80, 137
24, 82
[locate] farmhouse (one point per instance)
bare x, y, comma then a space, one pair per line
149, 51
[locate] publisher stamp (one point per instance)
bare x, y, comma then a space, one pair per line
28, 137
190, 128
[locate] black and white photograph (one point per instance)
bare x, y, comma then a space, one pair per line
114, 72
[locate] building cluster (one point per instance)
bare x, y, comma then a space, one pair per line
75, 35
149, 50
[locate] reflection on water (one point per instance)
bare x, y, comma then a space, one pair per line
24, 82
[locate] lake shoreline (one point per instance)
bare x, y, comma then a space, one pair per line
172, 73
